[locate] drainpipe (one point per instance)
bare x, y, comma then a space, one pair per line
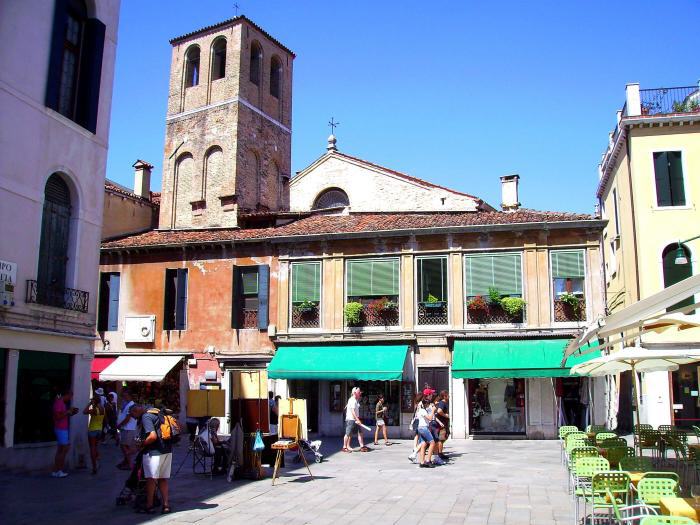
634, 223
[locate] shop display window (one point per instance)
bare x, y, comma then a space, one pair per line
165, 393
497, 406
40, 376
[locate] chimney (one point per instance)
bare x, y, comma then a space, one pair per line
509, 193
142, 178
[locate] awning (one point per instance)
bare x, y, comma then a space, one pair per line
512, 358
362, 363
140, 368
99, 364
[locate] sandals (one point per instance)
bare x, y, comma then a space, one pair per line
346, 450
388, 443
364, 449
376, 443
166, 509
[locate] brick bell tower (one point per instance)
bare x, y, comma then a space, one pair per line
228, 126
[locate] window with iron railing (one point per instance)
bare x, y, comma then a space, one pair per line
569, 285
494, 289
305, 294
431, 282
251, 290
372, 292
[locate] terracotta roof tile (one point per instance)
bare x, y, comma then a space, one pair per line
357, 223
121, 190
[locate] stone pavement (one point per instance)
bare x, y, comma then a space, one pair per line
487, 482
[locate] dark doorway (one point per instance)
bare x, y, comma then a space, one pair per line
304, 389
685, 395
437, 378
625, 407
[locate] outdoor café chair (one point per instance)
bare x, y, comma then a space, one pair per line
664, 429
602, 436
696, 432
579, 452
563, 431
584, 470
202, 459
615, 454
649, 440
629, 513
651, 489
635, 464
607, 488
666, 520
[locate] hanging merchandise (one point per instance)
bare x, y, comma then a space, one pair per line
258, 445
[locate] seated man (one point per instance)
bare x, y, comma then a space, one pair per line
214, 445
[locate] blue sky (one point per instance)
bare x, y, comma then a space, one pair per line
457, 93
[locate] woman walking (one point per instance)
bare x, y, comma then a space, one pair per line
417, 402
380, 414
425, 415
97, 415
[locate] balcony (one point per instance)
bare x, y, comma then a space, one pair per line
58, 297
492, 314
665, 101
250, 318
372, 312
305, 317
432, 313
565, 312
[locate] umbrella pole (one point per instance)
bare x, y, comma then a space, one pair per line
637, 397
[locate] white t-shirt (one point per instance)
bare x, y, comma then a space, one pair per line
422, 415
352, 410
123, 413
206, 437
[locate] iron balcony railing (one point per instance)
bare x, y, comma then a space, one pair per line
663, 101
57, 296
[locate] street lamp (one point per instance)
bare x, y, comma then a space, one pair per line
681, 257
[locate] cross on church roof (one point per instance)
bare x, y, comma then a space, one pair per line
333, 124
236, 6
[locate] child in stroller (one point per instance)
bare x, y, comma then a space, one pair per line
134, 489
310, 446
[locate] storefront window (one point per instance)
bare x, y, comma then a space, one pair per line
165, 393
497, 406
40, 376
368, 403
686, 401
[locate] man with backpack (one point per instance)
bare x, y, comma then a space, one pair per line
157, 448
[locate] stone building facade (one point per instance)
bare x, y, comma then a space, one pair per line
228, 126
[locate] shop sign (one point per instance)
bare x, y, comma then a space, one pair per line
8, 279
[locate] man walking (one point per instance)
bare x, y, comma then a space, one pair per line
157, 457
353, 422
443, 416
127, 430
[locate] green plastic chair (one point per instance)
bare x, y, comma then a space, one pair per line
607, 490
629, 513
579, 452
584, 470
615, 454
649, 440
602, 436
563, 431
613, 442
635, 464
651, 489
666, 520
665, 429
662, 475
595, 429
573, 440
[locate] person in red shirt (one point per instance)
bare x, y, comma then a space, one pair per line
61, 414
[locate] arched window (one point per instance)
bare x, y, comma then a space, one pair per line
331, 198
76, 16
218, 61
675, 270
256, 56
213, 162
275, 77
53, 245
192, 66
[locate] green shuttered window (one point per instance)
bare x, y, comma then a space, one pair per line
567, 264
306, 282
249, 277
502, 271
668, 173
373, 278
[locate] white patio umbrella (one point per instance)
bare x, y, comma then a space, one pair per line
636, 359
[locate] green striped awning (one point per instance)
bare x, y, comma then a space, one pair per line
361, 363
513, 358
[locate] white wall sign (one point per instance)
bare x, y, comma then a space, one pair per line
8, 273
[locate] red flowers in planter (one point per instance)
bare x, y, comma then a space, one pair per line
381, 306
478, 305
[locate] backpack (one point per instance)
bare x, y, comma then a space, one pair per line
169, 428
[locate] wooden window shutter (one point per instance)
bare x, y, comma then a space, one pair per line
113, 307
90, 74
675, 172
263, 295
663, 182
53, 79
169, 300
306, 282
568, 264
236, 298
181, 300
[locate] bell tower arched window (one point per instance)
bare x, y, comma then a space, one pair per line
53, 247
218, 62
675, 270
256, 56
275, 77
192, 66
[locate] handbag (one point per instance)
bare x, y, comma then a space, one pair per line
258, 445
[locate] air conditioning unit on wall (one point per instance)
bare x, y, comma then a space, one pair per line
139, 328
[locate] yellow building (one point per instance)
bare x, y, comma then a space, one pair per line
650, 197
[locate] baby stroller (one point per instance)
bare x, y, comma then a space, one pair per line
310, 446
134, 489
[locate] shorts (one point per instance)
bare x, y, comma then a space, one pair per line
350, 427
443, 434
95, 434
127, 437
62, 436
424, 435
380, 422
157, 467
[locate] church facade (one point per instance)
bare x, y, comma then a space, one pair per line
349, 274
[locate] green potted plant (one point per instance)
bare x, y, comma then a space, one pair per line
572, 302
513, 306
307, 307
494, 296
353, 313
